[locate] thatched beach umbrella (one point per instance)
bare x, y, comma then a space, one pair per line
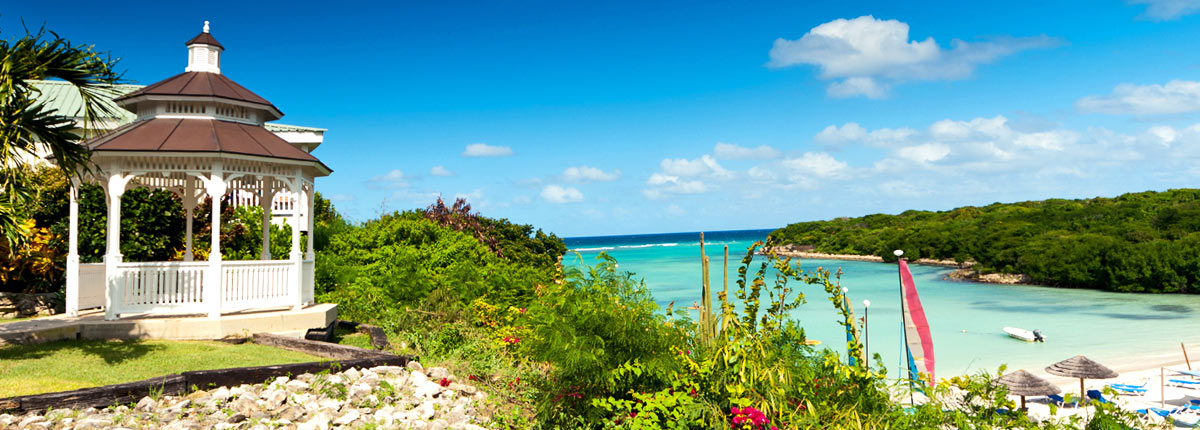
1022, 383
1083, 368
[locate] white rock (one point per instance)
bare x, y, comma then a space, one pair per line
438, 424
147, 404
296, 385
427, 389
415, 366
383, 417
317, 422
347, 418
416, 378
352, 374
179, 406
274, 399
425, 410
437, 373
221, 393
359, 390
301, 398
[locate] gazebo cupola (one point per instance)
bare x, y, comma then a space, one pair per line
199, 135
204, 53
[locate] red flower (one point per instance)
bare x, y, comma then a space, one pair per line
472, 378
445, 382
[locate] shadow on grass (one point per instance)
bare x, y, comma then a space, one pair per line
112, 352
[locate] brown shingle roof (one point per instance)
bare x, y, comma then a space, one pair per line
200, 84
199, 135
206, 39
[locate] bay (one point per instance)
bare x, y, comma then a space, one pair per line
966, 318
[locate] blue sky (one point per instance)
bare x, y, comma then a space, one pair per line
640, 117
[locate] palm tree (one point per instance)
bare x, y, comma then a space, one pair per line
29, 128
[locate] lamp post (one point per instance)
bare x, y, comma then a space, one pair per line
867, 329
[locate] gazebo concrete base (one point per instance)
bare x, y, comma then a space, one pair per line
92, 325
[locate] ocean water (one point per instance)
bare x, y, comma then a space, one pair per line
965, 318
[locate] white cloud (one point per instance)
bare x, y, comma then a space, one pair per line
589, 174
392, 180
1056, 140
858, 86
851, 132
729, 151
440, 171
342, 197
864, 56
818, 164
662, 185
558, 194
705, 165
1174, 97
926, 153
1166, 10
485, 150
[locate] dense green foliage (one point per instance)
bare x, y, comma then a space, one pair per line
1139, 242
29, 129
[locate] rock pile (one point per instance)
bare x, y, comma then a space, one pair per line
380, 397
15, 305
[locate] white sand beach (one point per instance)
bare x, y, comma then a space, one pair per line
1140, 368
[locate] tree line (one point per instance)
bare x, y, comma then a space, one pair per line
1137, 242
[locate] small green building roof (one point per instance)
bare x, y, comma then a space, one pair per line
64, 98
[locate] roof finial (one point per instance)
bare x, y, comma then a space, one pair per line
206, 26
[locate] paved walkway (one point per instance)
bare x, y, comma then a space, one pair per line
91, 325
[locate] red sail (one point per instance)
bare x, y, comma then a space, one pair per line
916, 328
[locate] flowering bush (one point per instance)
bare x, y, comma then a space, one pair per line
748, 418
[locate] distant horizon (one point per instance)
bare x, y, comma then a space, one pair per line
627, 117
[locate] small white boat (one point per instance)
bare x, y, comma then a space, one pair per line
1025, 335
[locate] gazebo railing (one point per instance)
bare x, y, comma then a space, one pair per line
256, 284
176, 287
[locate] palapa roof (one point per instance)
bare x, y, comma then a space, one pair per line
1081, 367
199, 135
1022, 383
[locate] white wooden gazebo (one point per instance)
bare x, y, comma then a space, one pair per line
197, 134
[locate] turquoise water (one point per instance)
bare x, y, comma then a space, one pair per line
965, 318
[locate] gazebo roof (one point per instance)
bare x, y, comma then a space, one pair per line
201, 84
198, 136
206, 39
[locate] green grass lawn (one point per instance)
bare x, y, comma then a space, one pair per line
74, 364
352, 338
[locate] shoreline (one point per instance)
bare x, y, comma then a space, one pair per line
962, 271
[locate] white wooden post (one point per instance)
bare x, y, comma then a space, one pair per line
212, 281
296, 282
189, 206
73, 251
266, 197
310, 253
112, 257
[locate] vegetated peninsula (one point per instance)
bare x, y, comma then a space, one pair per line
1137, 242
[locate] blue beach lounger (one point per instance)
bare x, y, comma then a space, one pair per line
1131, 390
1192, 373
1195, 385
1097, 396
1058, 400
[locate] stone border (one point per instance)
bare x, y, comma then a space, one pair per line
175, 384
